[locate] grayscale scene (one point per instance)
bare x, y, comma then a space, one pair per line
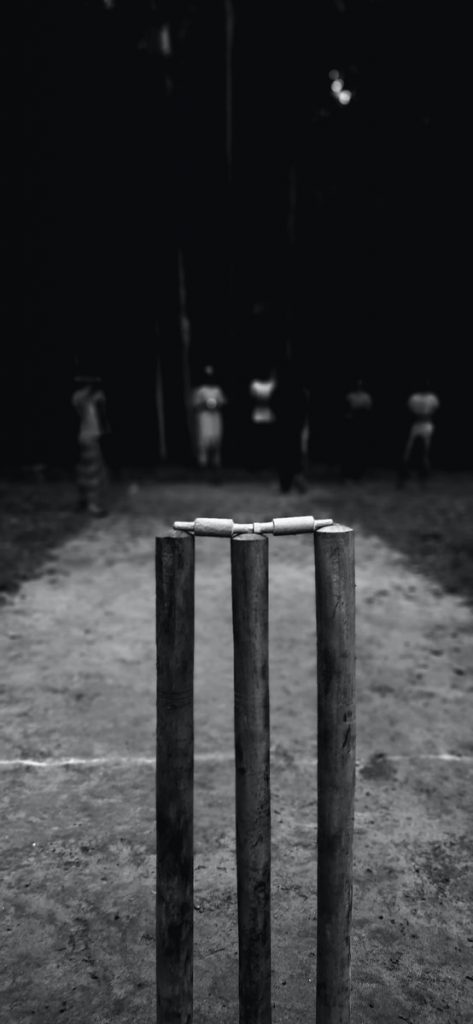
236, 507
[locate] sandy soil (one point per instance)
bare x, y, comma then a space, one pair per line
77, 769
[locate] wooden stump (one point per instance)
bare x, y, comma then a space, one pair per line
335, 616
174, 777
249, 559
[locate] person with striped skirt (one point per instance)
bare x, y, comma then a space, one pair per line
88, 401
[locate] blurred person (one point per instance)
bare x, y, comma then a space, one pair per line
88, 400
208, 401
356, 431
290, 404
422, 406
262, 421
305, 435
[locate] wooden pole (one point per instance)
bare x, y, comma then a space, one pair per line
249, 560
335, 616
174, 777
185, 334
229, 32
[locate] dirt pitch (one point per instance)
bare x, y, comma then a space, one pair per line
77, 696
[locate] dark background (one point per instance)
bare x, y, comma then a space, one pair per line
127, 176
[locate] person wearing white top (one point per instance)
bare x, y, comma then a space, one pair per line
208, 401
422, 406
262, 423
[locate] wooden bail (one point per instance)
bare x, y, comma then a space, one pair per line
249, 560
293, 524
204, 527
335, 616
174, 777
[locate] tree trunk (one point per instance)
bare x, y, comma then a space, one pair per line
185, 336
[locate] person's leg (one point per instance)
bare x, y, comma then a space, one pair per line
81, 479
215, 463
254, 454
202, 441
300, 478
217, 454
202, 454
404, 465
87, 473
96, 479
417, 457
298, 481
103, 487
285, 479
424, 460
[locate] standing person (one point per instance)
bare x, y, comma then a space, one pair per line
261, 391
88, 400
422, 406
357, 422
208, 401
290, 404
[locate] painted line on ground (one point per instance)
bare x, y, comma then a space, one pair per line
212, 757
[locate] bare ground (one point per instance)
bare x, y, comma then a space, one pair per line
77, 757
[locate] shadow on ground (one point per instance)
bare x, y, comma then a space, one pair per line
35, 518
429, 525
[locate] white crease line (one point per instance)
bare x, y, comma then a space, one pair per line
66, 762
214, 757
427, 757
376, 758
